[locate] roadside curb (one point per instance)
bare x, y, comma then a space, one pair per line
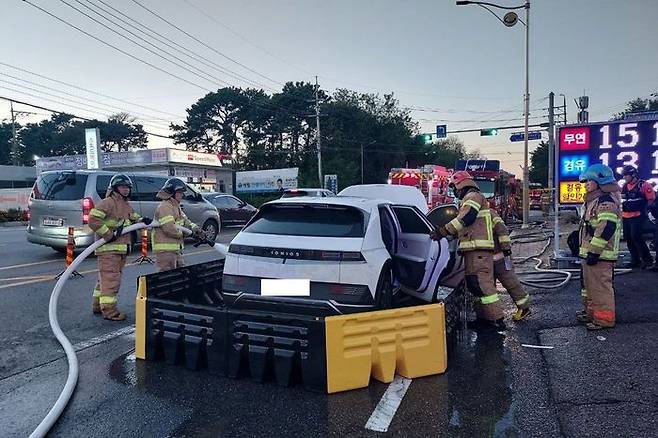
13, 224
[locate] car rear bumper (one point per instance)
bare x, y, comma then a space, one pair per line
82, 239
299, 306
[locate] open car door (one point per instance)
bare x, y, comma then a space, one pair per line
453, 274
417, 259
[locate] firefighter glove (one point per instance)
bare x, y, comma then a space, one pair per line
116, 234
439, 233
146, 220
199, 233
592, 259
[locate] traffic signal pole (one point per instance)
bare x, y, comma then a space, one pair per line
526, 173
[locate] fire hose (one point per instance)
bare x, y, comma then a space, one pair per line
71, 381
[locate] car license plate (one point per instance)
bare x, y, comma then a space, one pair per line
285, 288
53, 222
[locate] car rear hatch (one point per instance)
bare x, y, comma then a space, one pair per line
57, 203
300, 241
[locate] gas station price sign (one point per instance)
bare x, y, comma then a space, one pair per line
615, 144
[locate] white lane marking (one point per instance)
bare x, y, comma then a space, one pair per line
103, 338
4, 268
388, 405
544, 347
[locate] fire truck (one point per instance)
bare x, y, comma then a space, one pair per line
500, 187
431, 180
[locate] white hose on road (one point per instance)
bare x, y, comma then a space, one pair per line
72, 379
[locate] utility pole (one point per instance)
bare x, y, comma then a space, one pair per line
362, 163
14, 140
317, 128
551, 138
526, 115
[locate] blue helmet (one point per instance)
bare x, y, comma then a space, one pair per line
600, 173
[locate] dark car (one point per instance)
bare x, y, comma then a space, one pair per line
232, 211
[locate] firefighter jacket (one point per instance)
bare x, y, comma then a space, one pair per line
106, 217
473, 224
502, 240
168, 237
600, 226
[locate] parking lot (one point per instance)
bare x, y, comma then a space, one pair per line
494, 386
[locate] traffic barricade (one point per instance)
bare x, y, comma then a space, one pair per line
181, 318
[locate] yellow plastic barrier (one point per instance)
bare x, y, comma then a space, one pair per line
409, 341
140, 319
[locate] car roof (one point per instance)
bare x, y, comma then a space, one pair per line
395, 194
361, 203
306, 190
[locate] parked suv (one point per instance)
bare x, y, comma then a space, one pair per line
62, 199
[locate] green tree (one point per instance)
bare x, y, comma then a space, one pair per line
539, 164
5, 143
121, 133
639, 105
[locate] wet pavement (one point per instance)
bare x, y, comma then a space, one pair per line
494, 387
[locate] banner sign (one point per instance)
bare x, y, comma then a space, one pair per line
259, 181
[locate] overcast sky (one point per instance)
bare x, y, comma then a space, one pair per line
458, 60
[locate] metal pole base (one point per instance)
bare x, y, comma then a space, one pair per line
143, 259
73, 274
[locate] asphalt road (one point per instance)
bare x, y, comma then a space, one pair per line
494, 386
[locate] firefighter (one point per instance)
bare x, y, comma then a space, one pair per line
600, 231
107, 220
637, 195
504, 268
167, 241
473, 226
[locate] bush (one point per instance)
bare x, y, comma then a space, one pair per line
13, 215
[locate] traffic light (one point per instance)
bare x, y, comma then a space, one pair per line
425, 138
488, 132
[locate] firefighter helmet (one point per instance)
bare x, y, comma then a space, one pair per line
461, 179
173, 185
629, 170
600, 173
120, 179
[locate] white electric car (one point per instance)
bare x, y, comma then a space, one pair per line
356, 251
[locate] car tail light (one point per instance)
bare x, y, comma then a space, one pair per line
29, 214
87, 205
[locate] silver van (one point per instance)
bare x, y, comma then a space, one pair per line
62, 199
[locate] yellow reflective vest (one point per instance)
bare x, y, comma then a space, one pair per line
106, 217
600, 226
168, 237
473, 224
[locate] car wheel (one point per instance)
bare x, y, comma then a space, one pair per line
384, 292
211, 228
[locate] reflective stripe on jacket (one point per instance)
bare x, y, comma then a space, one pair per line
473, 224
502, 240
168, 237
106, 217
600, 229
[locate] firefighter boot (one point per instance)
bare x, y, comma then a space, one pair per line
111, 312
95, 300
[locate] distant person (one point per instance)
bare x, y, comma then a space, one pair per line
279, 185
637, 195
599, 246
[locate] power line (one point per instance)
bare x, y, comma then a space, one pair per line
61, 112
178, 116
266, 106
145, 116
116, 48
204, 44
164, 40
185, 66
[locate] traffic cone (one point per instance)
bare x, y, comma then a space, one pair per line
144, 258
70, 246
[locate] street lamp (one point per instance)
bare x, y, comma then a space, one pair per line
510, 20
